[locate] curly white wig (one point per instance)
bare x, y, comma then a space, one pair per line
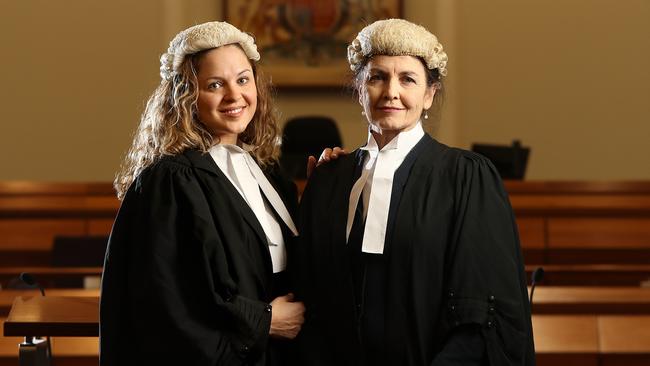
397, 37
202, 37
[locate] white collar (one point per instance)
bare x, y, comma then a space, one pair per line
404, 141
233, 148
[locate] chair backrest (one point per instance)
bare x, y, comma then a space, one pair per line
304, 136
510, 161
77, 251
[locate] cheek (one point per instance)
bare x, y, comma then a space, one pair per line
251, 96
368, 98
206, 103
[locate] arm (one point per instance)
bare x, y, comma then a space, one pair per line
465, 347
167, 291
486, 286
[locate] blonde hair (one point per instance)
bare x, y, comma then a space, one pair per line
169, 124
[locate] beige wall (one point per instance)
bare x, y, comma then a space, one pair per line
568, 78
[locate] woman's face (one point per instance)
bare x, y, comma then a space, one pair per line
394, 92
227, 94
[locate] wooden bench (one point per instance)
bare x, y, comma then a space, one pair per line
46, 276
591, 300
559, 222
593, 274
32, 214
582, 222
592, 340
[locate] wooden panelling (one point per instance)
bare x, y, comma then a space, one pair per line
624, 334
632, 275
100, 226
36, 234
591, 300
565, 333
596, 232
559, 222
597, 256
553, 204
48, 276
531, 232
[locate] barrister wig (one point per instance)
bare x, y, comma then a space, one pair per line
397, 37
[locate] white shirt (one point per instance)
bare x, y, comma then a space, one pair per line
246, 176
376, 184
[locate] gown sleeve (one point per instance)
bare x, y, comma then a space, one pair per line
160, 302
484, 268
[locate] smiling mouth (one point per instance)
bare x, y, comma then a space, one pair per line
390, 109
232, 111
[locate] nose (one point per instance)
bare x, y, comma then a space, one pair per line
391, 89
232, 92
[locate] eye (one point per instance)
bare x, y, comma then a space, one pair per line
409, 80
215, 85
375, 77
243, 80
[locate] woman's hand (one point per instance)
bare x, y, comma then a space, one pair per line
327, 155
287, 317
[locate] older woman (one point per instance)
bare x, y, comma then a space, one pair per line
195, 267
421, 265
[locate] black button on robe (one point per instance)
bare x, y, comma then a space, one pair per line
454, 265
188, 275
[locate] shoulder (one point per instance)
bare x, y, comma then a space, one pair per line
454, 159
170, 172
335, 169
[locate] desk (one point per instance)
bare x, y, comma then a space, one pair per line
53, 316
50, 316
7, 297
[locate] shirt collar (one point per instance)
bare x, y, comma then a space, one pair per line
403, 142
229, 148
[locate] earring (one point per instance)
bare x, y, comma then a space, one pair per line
363, 113
426, 114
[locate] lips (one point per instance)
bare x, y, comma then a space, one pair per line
232, 111
390, 109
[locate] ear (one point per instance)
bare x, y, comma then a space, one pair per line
428, 96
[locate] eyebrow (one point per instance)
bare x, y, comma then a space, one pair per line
238, 75
402, 73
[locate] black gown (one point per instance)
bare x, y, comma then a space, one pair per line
188, 275
452, 286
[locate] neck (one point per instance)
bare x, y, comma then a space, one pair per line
384, 137
230, 139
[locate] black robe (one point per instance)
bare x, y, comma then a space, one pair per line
454, 271
188, 275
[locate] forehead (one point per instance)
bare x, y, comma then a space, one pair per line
398, 64
225, 58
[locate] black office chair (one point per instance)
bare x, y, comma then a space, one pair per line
304, 136
510, 161
77, 251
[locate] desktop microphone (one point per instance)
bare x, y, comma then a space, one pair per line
31, 281
536, 277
